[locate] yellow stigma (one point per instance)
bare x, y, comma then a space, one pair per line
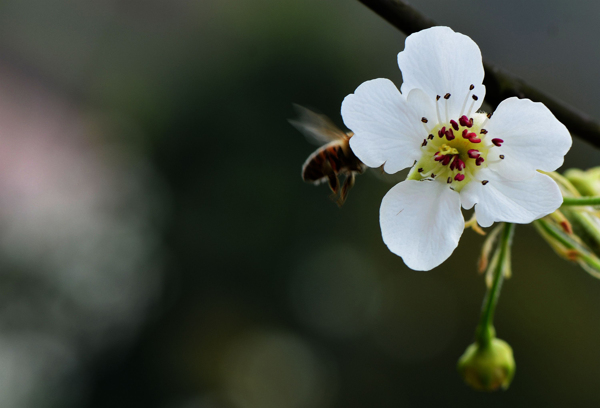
445, 149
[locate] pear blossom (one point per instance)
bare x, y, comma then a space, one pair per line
459, 155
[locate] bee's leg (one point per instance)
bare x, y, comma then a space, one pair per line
348, 184
334, 185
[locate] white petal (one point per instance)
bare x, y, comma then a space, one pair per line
533, 138
440, 61
387, 128
421, 221
506, 200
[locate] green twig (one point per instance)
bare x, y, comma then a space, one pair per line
581, 201
499, 83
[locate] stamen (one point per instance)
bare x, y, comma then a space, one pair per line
483, 132
484, 182
431, 173
449, 134
442, 131
449, 181
497, 142
460, 165
446, 159
473, 137
424, 143
437, 108
489, 115
471, 107
454, 124
430, 137
485, 121
446, 97
438, 156
420, 169
459, 177
464, 105
502, 156
465, 121
465, 133
479, 160
473, 153
424, 120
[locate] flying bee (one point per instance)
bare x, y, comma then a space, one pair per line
333, 158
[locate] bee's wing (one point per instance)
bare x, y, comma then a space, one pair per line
318, 129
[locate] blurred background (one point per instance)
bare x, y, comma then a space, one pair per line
158, 247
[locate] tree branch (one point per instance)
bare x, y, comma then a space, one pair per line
499, 83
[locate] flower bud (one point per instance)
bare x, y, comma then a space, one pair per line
586, 182
487, 368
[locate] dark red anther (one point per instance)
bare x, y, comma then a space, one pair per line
473, 153
459, 177
453, 164
438, 156
460, 165
479, 160
446, 159
442, 131
424, 143
449, 134
473, 138
454, 124
464, 121
497, 142
465, 133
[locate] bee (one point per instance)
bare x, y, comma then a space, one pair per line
333, 158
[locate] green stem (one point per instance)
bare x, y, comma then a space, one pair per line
555, 233
485, 330
581, 201
587, 223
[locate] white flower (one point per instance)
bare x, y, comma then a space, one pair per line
458, 156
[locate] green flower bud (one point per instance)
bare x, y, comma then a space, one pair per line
586, 182
487, 368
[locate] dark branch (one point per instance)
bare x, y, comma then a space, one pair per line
499, 83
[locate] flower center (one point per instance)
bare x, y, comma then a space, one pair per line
455, 149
